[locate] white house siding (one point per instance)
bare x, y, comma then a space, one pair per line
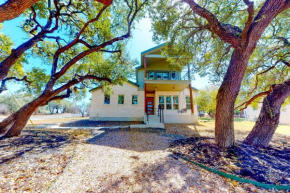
115, 111
172, 116
252, 114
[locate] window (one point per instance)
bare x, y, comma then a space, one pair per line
151, 75
161, 101
120, 99
173, 76
175, 102
165, 75
168, 103
107, 100
134, 99
188, 104
158, 75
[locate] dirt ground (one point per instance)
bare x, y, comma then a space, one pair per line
109, 160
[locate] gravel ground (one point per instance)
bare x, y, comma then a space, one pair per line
133, 161
105, 160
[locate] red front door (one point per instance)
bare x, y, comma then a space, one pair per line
150, 105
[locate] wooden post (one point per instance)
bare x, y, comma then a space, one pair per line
145, 66
190, 90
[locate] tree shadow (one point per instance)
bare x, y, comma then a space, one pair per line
31, 140
189, 130
140, 140
167, 174
88, 123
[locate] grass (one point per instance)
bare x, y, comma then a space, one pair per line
207, 119
242, 129
57, 120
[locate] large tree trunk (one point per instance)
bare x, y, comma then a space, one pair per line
268, 119
226, 97
15, 123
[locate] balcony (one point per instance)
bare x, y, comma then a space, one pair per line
165, 75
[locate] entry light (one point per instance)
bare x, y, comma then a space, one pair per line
155, 88
173, 88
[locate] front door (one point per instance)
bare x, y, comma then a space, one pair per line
150, 105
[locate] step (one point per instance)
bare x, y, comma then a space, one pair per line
148, 125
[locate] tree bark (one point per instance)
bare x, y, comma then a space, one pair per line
17, 121
269, 116
226, 97
13, 8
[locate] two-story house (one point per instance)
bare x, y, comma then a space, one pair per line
157, 86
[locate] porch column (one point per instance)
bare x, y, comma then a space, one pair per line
145, 66
190, 90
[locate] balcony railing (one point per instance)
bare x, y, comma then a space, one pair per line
185, 77
165, 75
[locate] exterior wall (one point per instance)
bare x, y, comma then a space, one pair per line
162, 64
181, 98
252, 114
115, 111
180, 118
140, 72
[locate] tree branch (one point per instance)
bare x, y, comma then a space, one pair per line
247, 103
3, 82
215, 26
13, 8
251, 13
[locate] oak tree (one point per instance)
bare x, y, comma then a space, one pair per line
88, 49
235, 27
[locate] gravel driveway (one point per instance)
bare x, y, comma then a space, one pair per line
134, 161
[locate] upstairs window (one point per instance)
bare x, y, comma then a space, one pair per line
151, 75
134, 99
120, 99
165, 76
158, 75
107, 100
173, 76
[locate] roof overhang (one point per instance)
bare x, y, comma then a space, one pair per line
153, 53
166, 85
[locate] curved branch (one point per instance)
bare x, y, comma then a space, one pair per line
3, 82
247, 103
215, 26
13, 8
250, 19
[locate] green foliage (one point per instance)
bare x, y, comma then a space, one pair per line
190, 41
5, 50
112, 23
60, 106
206, 100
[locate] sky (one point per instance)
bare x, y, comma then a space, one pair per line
141, 41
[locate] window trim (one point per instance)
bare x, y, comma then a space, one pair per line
123, 99
175, 103
187, 103
166, 102
132, 99
176, 78
105, 99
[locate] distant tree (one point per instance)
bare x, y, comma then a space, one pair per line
83, 108
4, 110
206, 100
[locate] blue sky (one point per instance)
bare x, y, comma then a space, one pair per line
142, 40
